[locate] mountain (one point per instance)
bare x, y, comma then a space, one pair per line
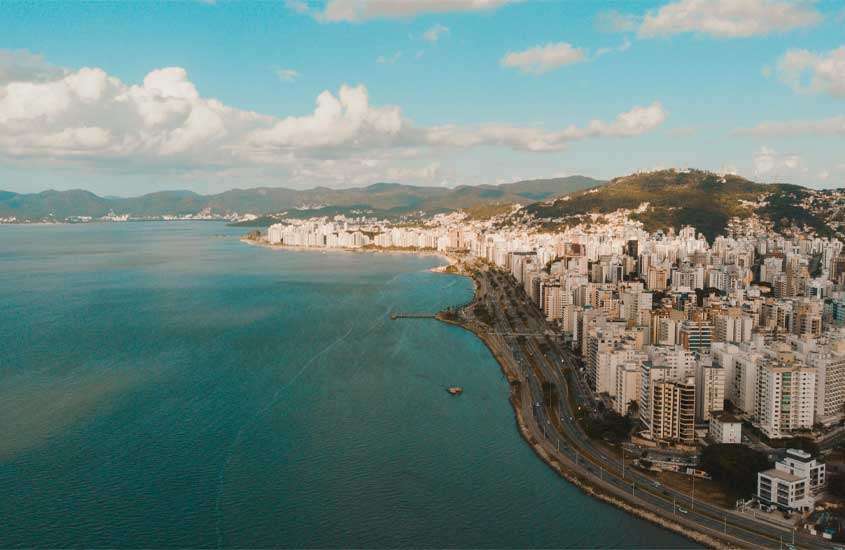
692, 197
384, 198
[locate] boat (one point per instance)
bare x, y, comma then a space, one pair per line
455, 390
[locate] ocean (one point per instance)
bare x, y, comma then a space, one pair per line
166, 385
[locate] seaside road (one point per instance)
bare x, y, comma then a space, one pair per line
707, 510
563, 440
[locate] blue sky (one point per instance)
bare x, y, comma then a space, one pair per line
438, 92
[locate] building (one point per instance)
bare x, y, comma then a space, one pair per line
725, 428
784, 490
695, 336
709, 389
793, 483
785, 398
830, 382
667, 405
628, 382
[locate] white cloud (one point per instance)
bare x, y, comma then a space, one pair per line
542, 59
790, 128
637, 121
729, 18
806, 71
614, 21
433, 34
623, 47
87, 113
22, 65
299, 6
389, 59
165, 124
345, 119
288, 75
768, 162
361, 10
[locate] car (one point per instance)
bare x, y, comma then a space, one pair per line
658, 484
682, 510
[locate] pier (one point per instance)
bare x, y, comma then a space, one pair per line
394, 316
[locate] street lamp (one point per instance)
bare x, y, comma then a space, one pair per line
692, 494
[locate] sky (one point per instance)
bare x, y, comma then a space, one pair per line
124, 98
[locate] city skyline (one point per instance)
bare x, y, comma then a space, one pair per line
210, 96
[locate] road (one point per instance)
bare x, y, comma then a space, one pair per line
519, 328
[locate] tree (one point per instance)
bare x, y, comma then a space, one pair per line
836, 485
734, 466
803, 443
610, 426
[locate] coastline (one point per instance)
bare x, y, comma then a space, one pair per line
571, 475
450, 260
586, 486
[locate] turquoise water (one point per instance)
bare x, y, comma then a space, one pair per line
165, 385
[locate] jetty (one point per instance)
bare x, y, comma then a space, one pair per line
394, 316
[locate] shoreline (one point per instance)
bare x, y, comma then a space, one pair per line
450, 260
570, 475
567, 473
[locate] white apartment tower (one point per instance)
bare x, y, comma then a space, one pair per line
785, 397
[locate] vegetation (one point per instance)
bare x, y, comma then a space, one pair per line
610, 426
804, 443
734, 466
836, 485
483, 314
702, 199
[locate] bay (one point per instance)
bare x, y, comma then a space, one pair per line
166, 385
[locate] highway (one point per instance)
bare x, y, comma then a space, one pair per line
519, 328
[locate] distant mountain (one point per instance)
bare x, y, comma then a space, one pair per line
384, 198
692, 197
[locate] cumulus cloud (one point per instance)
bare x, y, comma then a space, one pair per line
361, 10
811, 72
728, 18
542, 59
345, 119
165, 124
433, 34
25, 66
87, 113
822, 127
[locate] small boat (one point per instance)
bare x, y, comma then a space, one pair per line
455, 390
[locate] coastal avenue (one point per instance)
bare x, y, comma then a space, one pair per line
517, 332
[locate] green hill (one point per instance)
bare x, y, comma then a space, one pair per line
702, 199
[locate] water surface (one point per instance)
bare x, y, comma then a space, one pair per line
165, 385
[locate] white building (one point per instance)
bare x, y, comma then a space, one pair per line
793, 483
786, 398
724, 428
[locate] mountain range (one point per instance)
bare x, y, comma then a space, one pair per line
674, 198
380, 198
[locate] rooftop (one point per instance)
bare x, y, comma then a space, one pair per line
785, 476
